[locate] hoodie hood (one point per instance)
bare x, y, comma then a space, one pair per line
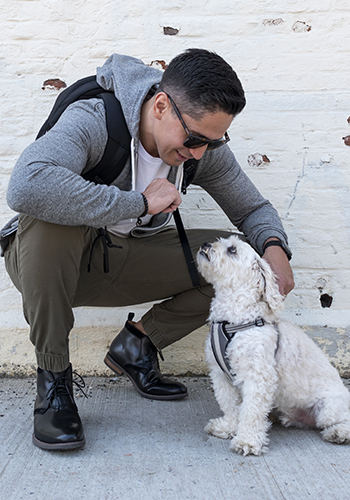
130, 79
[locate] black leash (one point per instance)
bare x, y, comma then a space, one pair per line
192, 269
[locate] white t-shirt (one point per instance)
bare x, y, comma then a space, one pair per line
148, 168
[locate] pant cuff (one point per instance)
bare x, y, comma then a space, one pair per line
152, 331
51, 362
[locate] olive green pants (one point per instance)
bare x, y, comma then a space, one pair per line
48, 263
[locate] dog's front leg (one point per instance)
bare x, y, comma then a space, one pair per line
258, 389
227, 396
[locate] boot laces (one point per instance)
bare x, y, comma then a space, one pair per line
59, 388
153, 356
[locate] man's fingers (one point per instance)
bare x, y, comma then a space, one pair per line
162, 196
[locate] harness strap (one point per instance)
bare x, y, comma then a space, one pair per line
231, 329
220, 335
219, 343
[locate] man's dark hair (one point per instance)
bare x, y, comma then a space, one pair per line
200, 81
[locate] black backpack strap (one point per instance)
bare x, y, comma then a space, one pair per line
117, 149
189, 167
118, 145
86, 88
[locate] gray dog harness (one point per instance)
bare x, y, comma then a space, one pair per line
220, 334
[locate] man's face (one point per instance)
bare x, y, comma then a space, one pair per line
169, 134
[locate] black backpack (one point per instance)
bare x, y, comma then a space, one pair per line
115, 155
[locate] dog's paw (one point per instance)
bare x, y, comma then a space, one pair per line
221, 427
337, 433
247, 447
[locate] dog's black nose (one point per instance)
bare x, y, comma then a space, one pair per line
204, 250
206, 246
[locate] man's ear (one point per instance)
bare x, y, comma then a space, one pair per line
160, 105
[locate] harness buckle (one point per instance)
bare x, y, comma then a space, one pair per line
259, 322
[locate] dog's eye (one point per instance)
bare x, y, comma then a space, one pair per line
231, 250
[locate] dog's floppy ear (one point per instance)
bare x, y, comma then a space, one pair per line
269, 287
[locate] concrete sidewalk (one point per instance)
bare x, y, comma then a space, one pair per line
156, 450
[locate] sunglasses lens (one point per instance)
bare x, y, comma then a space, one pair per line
215, 145
194, 142
218, 144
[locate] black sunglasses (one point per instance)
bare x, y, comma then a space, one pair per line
193, 141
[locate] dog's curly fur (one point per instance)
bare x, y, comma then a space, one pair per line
297, 381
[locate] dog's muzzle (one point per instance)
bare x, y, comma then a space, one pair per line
204, 250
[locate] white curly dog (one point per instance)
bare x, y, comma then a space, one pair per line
273, 365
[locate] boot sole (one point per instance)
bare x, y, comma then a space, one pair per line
119, 370
73, 445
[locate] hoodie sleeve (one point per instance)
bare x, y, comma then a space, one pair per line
222, 177
46, 182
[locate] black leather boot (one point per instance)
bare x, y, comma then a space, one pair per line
133, 354
57, 425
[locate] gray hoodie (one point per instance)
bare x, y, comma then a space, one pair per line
46, 181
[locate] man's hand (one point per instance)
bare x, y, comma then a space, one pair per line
162, 196
279, 264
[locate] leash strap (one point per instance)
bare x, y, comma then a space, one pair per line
186, 249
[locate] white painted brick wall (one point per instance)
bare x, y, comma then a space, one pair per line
293, 59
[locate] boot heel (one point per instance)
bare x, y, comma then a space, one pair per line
108, 361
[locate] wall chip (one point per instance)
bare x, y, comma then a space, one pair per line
300, 27
54, 84
167, 30
256, 160
346, 140
326, 300
272, 22
159, 64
